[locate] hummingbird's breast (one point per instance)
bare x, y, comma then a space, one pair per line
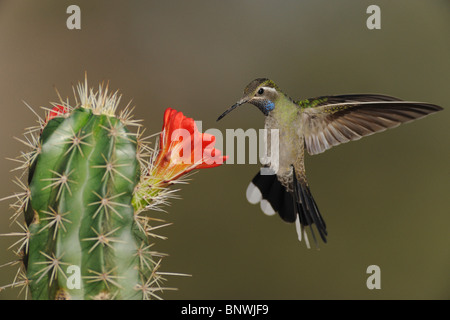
290, 147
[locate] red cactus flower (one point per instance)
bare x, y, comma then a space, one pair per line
182, 148
55, 112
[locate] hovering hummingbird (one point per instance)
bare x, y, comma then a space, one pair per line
316, 125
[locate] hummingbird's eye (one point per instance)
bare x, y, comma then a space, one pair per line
261, 91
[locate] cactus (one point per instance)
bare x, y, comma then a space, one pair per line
90, 182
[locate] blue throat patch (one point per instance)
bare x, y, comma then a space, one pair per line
269, 106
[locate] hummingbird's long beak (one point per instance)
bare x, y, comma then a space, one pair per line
234, 106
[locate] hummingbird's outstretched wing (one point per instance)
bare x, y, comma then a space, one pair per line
331, 120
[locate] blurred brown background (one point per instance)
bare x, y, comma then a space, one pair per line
385, 198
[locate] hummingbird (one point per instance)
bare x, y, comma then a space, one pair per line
314, 125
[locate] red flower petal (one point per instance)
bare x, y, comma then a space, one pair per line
56, 111
183, 148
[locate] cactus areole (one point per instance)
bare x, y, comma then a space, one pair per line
90, 180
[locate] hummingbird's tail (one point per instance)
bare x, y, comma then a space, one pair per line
308, 212
292, 206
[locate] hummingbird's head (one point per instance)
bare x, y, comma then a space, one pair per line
260, 92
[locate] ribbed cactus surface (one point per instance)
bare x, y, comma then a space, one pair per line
80, 211
82, 237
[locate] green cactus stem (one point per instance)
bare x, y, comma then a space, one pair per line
82, 238
80, 211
